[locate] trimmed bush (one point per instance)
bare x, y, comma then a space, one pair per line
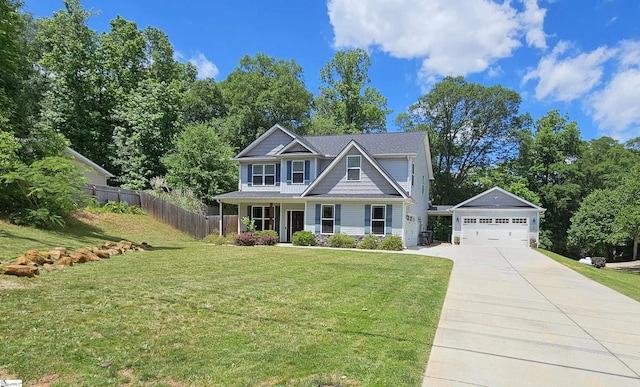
391, 242
272, 233
245, 239
266, 239
303, 238
369, 242
342, 240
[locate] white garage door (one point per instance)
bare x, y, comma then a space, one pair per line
488, 231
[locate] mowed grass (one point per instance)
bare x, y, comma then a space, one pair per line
620, 281
188, 313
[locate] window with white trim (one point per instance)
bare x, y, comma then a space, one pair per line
470, 220
327, 218
378, 219
353, 167
261, 216
264, 174
297, 172
485, 220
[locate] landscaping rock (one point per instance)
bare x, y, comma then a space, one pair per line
78, 257
21, 260
55, 254
21, 271
50, 267
598, 262
101, 253
36, 257
64, 261
63, 251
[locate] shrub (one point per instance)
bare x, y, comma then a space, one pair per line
370, 242
183, 198
391, 242
250, 224
245, 239
303, 238
272, 233
121, 208
342, 241
216, 239
266, 239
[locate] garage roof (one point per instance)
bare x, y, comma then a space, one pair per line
496, 198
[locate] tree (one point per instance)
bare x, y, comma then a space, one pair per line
548, 160
471, 127
345, 100
149, 119
201, 161
203, 102
592, 226
261, 92
605, 162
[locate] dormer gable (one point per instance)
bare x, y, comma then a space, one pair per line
269, 143
351, 168
297, 146
496, 197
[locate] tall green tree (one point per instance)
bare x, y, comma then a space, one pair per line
346, 103
203, 102
549, 163
260, 92
201, 161
149, 120
471, 128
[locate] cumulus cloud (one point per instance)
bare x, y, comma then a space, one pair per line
565, 78
206, 68
615, 107
452, 38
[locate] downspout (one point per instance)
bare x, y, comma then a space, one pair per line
220, 232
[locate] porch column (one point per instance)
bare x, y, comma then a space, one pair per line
221, 232
271, 209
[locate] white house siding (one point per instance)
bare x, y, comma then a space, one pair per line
244, 186
352, 217
397, 168
271, 144
94, 177
371, 181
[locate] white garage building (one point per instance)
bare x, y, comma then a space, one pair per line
496, 218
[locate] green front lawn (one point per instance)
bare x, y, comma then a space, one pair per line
189, 313
620, 281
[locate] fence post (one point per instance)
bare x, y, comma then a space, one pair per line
206, 225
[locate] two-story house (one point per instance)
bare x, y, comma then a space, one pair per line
354, 183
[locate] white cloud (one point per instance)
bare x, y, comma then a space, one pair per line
206, 68
452, 38
615, 107
565, 78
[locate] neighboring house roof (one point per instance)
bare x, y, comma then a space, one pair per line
257, 195
351, 145
90, 163
476, 202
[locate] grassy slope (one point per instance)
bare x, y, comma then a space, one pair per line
620, 281
193, 314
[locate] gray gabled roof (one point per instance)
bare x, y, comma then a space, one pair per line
375, 143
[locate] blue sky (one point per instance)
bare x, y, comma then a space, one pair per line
581, 57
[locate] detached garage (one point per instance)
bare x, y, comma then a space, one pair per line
496, 218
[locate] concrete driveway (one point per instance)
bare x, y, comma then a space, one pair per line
513, 317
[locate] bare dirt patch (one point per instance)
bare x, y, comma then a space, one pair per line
10, 285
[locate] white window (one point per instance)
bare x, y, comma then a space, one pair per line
470, 220
264, 174
519, 220
261, 216
353, 167
378, 220
327, 218
297, 170
502, 220
485, 220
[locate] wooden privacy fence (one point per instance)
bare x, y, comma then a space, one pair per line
196, 225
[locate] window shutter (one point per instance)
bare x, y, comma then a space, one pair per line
307, 171
389, 215
317, 218
250, 174
336, 223
367, 219
278, 171
289, 171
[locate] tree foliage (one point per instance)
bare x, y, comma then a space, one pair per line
346, 103
202, 162
261, 92
471, 127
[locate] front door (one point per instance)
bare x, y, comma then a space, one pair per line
295, 223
